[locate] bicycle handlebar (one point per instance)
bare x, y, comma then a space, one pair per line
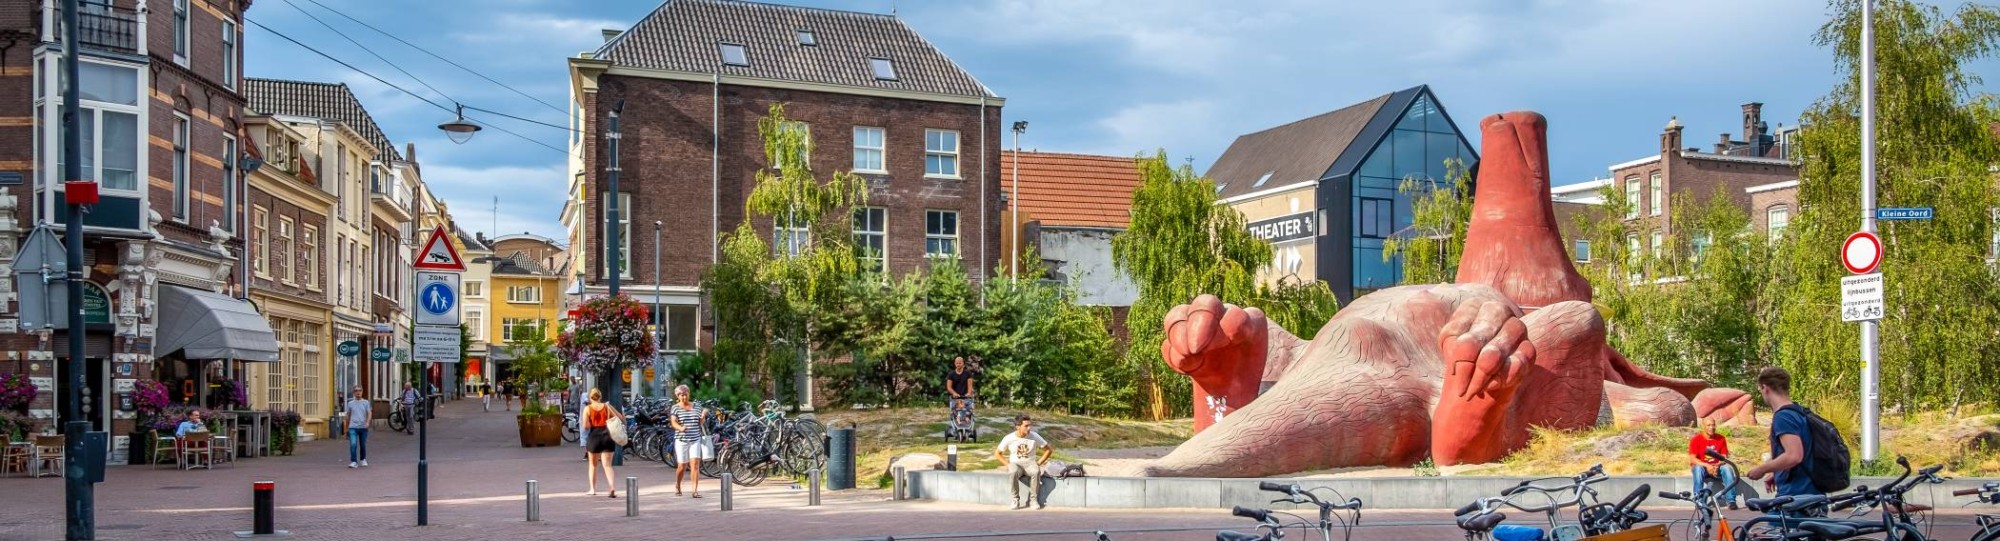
1674, 496
1275, 487
1966, 492
1261, 515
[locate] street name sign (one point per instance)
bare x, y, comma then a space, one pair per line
435, 343
1861, 297
437, 298
1861, 253
1905, 213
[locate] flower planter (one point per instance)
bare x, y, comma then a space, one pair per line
540, 430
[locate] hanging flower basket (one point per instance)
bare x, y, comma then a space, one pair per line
16, 392
608, 334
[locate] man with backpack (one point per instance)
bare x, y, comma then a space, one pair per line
1807, 454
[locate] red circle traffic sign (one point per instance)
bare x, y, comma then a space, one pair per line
1861, 253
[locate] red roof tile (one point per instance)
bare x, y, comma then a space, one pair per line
1078, 190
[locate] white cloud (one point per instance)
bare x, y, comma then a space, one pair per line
1146, 127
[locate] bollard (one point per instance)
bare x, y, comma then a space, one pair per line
812, 483
728, 484
951, 457
534, 501
631, 496
896, 484
263, 498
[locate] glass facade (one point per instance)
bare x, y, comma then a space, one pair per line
1416, 148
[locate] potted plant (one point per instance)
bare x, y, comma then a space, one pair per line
16, 393
536, 365
15, 426
284, 431
150, 399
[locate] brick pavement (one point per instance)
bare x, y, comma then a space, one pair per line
477, 473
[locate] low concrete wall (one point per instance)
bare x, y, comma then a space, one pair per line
1375, 493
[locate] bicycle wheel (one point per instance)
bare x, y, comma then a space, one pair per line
750, 475
397, 422
569, 434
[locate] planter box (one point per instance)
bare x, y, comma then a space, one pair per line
540, 430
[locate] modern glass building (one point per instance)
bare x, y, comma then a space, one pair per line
1325, 191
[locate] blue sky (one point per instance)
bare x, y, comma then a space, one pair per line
1117, 77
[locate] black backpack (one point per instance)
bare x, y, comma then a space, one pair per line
1826, 454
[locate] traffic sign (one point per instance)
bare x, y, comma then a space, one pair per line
1861, 297
438, 254
348, 348
1861, 253
1904, 213
381, 355
437, 298
436, 343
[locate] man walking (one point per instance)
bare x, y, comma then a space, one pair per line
410, 410
507, 394
1018, 451
1789, 438
358, 415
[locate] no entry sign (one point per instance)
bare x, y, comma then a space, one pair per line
1861, 253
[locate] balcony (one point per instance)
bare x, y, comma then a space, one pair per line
102, 26
391, 198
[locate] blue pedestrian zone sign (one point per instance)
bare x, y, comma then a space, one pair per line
1904, 213
437, 298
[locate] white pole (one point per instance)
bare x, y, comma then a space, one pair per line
1871, 399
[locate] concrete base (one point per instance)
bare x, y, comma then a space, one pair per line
275, 534
990, 488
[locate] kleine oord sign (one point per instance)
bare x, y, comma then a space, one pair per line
1290, 227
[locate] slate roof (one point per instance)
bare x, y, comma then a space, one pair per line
325, 101
1297, 152
686, 36
519, 263
1078, 190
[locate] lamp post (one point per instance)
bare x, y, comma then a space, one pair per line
614, 259
79, 496
659, 318
1014, 200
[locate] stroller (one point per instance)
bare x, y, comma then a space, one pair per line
960, 427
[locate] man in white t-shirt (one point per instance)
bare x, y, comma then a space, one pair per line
359, 413
1018, 451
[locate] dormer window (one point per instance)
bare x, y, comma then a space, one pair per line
734, 55
885, 69
806, 38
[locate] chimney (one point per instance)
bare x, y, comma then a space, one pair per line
611, 33
410, 152
1722, 146
1670, 140
1753, 114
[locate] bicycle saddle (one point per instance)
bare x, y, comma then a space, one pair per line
1766, 504
1828, 530
1481, 523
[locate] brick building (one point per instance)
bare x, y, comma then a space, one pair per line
1070, 205
697, 75
161, 101
288, 270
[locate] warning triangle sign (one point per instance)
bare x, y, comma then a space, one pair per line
438, 254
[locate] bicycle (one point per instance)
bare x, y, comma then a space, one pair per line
400, 413
1989, 524
571, 430
960, 425
1481, 518
1708, 523
1802, 518
1296, 495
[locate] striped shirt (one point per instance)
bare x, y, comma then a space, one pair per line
690, 419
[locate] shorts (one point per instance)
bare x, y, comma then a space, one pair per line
693, 450
600, 441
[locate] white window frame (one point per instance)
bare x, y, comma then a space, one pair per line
287, 269
804, 128
260, 226
183, 176
533, 296
722, 51
1659, 242
881, 259
880, 150
309, 235
183, 26
1775, 231
884, 69
1632, 196
1658, 194
475, 322
942, 153
475, 289
50, 147
231, 153
953, 236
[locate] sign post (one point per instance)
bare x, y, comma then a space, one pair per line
434, 337
1870, 329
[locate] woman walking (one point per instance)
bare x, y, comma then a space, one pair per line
598, 417
690, 441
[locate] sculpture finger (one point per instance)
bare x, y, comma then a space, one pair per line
1204, 317
1496, 369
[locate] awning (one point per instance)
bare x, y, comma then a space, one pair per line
205, 325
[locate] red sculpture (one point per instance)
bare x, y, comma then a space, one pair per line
1454, 372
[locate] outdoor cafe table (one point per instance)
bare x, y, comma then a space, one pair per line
251, 430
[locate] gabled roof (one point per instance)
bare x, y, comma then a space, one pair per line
1301, 151
1078, 190
519, 263
325, 101
470, 241
686, 36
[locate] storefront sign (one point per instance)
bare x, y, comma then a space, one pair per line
96, 305
1289, 227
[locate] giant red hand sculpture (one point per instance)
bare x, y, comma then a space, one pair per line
1455, 372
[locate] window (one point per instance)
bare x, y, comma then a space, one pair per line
309, 256
804, 132
514, 328
941, 153
1374, 218
475, 289
1632, 251
524, 294
734, 55
1775, 220
1659, 194
229, 54
285, 237
789, 239
1632, 197
310, 353
475, 323
1263, 179
681, 327
260, 224
1658, 243
885, 69
181, 32
181, 134
1702, 241
229, 181
871, 238
940, 233
624, 237
806, 38
1582, 251
868, 147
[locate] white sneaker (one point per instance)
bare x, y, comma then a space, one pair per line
364, 463
350, 465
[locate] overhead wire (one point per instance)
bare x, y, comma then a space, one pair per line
371, 52
435, 55
420, 97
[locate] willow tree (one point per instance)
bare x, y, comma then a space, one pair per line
1439, 221
1934, 147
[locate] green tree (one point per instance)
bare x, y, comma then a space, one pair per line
535, 363
1436, 240
1041, 349
1934, 147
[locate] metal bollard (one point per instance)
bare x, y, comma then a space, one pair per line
631, 496
263, 497
534, 501
951, 457
812, 484
728, 491
896, 484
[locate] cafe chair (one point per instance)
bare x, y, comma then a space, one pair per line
165, 448
15, 458
48, 456
196, 450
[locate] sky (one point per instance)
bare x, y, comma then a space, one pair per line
1106, 77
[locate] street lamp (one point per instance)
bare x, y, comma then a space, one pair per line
459, 129
659, 319
1014, 200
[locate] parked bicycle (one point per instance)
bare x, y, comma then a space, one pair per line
1482, 518
1708, 523
1294, 494
1989, 524
402, 411
1803, 518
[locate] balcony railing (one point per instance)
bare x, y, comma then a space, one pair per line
103, 26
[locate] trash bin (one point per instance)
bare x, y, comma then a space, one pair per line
840, 457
